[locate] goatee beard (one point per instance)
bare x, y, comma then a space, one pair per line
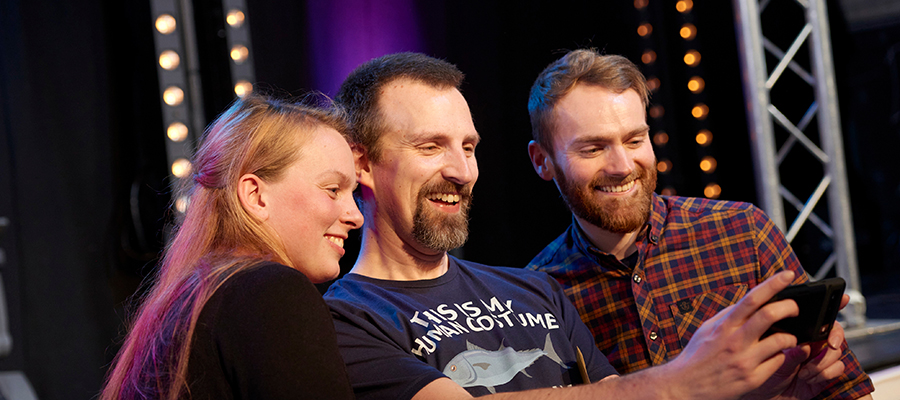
615, 215
437, 230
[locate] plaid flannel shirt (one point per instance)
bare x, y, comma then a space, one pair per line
695, 257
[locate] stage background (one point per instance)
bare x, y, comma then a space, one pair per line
83, 175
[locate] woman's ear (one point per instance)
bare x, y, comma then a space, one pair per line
541, 161
251, 191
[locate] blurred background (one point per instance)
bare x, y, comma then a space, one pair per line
88, 148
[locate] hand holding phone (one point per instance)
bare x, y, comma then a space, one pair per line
819, 303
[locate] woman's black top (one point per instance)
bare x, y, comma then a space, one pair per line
266, 334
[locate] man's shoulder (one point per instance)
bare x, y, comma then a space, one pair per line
357, 288
483, 271
686, 216
702, 205
557, 255
692, 208
347, 288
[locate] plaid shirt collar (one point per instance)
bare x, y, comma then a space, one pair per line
652, 231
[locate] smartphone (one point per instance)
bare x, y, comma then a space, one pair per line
819, 303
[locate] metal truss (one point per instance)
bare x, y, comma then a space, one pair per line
178, 71
762, 114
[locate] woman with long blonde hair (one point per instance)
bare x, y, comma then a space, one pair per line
233, 312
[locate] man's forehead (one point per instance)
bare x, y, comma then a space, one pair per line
406, 104
596, 99
404, 89
593, 111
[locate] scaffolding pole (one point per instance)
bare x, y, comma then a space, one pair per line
762, 116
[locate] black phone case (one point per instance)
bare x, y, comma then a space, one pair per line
819, 303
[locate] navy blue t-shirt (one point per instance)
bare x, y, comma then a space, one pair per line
489, 329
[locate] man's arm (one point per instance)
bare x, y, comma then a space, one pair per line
774, 255
724, 360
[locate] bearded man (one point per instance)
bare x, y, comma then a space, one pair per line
643, 270
413, 322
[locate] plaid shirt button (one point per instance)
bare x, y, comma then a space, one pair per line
637, 278
653, 336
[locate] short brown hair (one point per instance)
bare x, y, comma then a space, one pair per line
587, 66
359, 93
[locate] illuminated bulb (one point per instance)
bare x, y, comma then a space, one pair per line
182, 204
181, 168
242, 87
692, 58
235, 18
704, 137
165, 24
684, 5
173, 95
657, 111
653, 83
645, 29
696, 84
712, 191
177, 131
639, 4
660, 138
664, 166
169, 60
668, 191
239, 53
700, 111
708, 164
648, 57
688, 31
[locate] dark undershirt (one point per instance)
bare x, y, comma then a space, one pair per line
631, 260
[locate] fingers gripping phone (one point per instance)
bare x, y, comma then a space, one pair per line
819, 303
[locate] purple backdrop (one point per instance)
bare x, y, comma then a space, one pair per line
346, 33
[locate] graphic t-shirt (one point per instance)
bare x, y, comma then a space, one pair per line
489, 329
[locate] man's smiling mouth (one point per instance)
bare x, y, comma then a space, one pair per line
617, 189
446, 198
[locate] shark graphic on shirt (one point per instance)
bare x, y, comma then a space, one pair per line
480, 367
